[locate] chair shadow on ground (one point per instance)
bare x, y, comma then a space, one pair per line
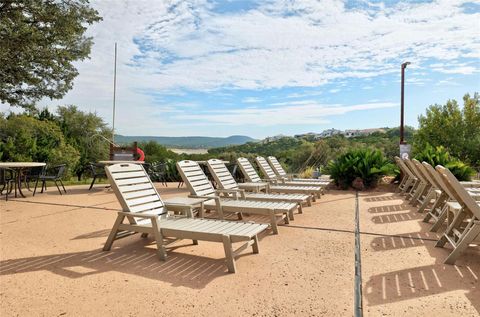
390, 208
405, 240
417, 282
397, 217
383, 198
134, 257
95, 234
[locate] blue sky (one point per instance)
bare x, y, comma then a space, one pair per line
261, 68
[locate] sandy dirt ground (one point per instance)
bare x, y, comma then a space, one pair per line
52, 264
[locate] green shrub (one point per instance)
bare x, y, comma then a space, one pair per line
171, 172
307, 173
367, 164
24, 138
440, 156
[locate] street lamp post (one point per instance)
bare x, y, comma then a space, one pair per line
402, 99
114, 92
404, 147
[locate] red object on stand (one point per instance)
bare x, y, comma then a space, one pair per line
141, 155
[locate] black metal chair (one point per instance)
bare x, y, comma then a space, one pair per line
32, 175
7, 181
157, 172
56, 176
97, 171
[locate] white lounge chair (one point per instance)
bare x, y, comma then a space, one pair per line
252, 176
408, 180
423, 193
464, 228
419, 186
280, 172
446, 198
436, 196
272, 177
199, 186
147, 214
225, 180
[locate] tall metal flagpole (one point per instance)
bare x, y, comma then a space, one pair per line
114, 92
405, 148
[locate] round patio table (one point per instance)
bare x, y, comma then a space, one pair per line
19, 167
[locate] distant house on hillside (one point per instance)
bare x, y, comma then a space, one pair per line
356, 133
309, 135
269, 139
329, 133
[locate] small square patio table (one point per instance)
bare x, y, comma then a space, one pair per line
19, 167
185, 205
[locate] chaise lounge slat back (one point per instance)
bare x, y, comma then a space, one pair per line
272, 176
225, 180
251, 174
146, 213
464, 228
408, 180
280, 172
199, 186
446, 197
424, 189
419, 184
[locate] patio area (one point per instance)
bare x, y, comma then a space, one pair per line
52, 263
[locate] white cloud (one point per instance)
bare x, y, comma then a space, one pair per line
170, 48
251, 100
450, 81
280, 44
292, 114
464, 70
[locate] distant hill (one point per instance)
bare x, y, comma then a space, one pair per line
191, 142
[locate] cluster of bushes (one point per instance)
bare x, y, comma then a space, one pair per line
365, 165
69, 136
440, 156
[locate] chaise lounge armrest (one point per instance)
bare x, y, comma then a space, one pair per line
218, 202
138, 215
235, 192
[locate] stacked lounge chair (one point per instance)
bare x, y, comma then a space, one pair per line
271, 176
280, 172
443, 198
409, 179
225, 180
464, 227
228, 201
252, 176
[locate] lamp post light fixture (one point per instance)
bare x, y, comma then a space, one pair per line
402, 98
404, 147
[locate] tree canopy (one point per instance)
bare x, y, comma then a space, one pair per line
455, 128
39, 41
25, 138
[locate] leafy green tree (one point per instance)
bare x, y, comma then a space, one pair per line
39, 41
25, 138
155, 152
86, 132
455, 128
